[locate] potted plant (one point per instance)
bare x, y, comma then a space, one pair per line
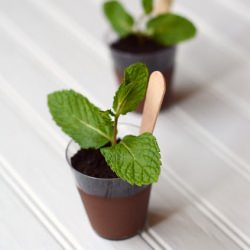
150, 39
113, 167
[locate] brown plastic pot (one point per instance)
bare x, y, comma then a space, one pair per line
162, 60
116, 209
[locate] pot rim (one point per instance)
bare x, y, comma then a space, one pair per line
150, 53
92, 177
109, 43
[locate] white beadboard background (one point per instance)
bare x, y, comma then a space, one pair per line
202, 200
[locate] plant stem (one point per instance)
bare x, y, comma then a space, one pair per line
115, 129
138, 23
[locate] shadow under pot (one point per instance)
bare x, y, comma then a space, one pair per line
116, 209
133, 49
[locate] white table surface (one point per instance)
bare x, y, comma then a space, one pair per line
202, 200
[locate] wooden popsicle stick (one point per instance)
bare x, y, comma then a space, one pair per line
163, 6
154, 97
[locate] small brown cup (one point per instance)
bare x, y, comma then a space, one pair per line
162, 60
116, 209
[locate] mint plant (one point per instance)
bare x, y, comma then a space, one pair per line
135, 159
166, 29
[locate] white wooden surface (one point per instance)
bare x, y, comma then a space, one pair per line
202, 200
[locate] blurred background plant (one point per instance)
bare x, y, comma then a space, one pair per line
156, 22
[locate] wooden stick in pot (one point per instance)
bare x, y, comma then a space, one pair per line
154, 97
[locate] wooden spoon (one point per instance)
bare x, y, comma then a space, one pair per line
154, 97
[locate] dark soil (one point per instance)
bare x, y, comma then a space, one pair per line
92, 163
137, 44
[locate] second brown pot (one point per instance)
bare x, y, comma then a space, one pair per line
162, 60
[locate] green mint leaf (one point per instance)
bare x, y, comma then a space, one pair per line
121, 21
169, 29
147, 6
80, 119
136, 159
132, 90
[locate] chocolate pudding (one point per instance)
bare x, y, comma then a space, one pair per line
117, 218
